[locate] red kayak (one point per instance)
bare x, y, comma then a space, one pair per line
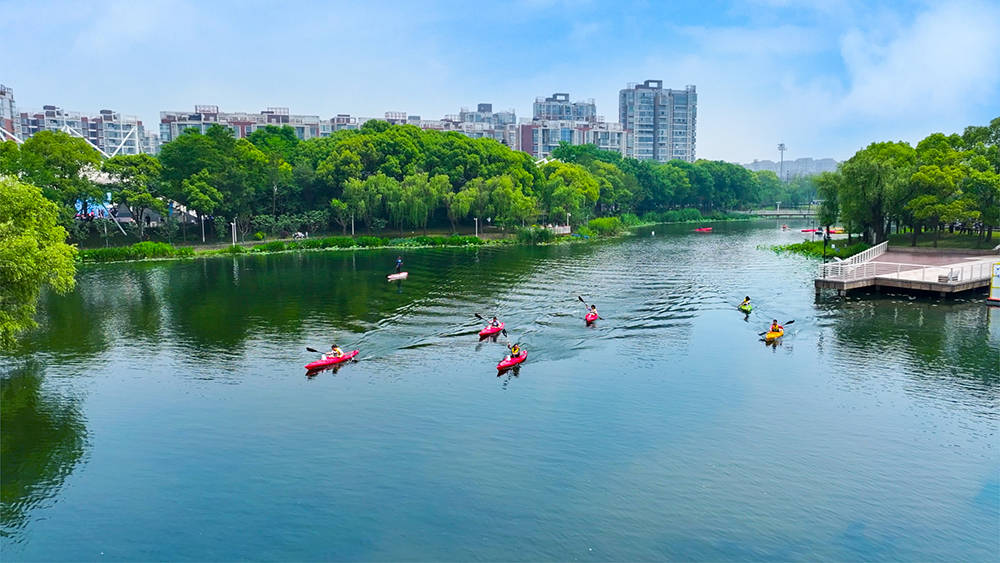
591, 317
703, 230
490, 330
508, 363
331, 361
811, 230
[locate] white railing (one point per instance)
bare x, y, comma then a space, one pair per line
873, 252
856, 267
844, 271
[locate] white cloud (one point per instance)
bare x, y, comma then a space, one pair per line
947, 58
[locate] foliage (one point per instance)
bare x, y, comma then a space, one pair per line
606, 225
535, 235
33, 253
945, 181
814, 248
139, 251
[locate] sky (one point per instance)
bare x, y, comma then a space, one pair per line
825, 77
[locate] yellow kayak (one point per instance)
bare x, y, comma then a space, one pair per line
772, 336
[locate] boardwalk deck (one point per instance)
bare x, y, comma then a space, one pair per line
941, 272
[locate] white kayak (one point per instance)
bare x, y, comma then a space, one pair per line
399, 276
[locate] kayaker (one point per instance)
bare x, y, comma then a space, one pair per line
399, 263
515, 350
335, 352
775, 327
746, 302
593, 310
494, 323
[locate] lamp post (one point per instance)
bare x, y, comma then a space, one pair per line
568, 215
234, 230
476, 219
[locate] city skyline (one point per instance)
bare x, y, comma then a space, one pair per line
825, 78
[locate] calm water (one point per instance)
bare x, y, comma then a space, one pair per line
161, 412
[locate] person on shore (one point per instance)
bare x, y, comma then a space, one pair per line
335, 352
399, 264
775, 327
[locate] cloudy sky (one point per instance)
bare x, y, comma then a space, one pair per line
825, 77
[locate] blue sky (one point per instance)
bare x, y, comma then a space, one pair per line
825, 77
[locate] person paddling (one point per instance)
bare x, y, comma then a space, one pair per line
775, 327
593, 310
335, 352
494, 323
515, 350
399, 263
745, 305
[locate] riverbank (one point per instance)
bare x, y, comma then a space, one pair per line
596, 229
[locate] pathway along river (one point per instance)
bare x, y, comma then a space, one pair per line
161, 411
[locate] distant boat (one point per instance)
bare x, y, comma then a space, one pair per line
399, 276
703, 230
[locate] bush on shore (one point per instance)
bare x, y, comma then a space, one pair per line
814, 248
606, 226
535, 235
138, 251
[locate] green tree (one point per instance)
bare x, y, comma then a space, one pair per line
872, 179
60, 165
33, 253
135, 183
198, 194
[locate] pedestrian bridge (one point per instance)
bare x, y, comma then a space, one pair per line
931, 270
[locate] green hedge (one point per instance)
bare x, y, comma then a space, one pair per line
138, 251
535, 235
606, 225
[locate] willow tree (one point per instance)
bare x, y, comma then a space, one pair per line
33, 254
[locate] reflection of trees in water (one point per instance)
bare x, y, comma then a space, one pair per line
42, 438
949, 339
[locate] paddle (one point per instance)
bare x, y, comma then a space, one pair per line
580, 297
767, 331
478, 316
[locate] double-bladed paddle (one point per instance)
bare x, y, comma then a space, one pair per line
580, 297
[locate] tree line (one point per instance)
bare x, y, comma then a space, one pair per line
380, 176
946, 182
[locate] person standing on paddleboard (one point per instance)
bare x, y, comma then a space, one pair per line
399, 263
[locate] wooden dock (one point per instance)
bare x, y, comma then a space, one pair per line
937, 271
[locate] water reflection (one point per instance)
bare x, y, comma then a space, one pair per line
42, 439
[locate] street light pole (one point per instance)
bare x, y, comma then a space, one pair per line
568, 215
476, 219
234, 230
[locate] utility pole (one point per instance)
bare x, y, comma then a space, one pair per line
781, 166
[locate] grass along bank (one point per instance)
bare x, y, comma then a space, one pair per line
162, 250
945, 239
814, 248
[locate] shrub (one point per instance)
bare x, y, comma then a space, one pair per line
371, 242
584, 231
535, 235
814, 248
630, 219
458, 240
138, 251
273, 246
259, 235
606, 225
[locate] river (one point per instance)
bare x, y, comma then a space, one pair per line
161, 412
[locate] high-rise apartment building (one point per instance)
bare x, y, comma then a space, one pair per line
558, 107
539, 137
10, 123
173, 123
109, 131
659, 122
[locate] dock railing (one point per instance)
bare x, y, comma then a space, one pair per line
856, 267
